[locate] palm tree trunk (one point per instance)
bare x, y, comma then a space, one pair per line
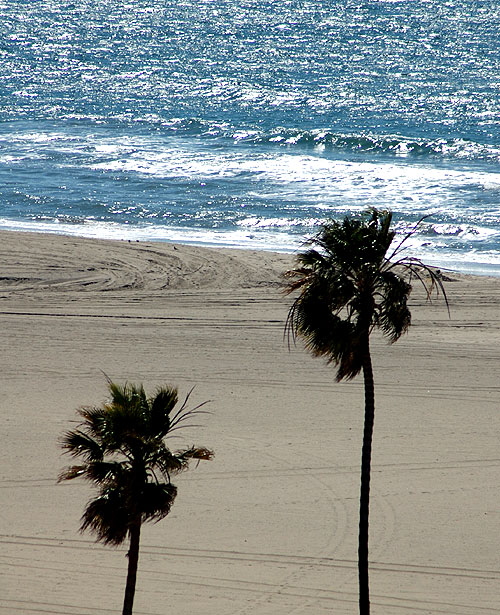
364, 500
133, 561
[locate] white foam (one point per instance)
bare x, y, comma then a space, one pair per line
313, 177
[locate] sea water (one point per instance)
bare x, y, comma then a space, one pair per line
250, 123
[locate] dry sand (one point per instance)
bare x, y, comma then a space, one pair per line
269, 527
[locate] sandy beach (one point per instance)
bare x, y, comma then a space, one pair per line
269, 527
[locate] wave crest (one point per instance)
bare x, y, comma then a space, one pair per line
387, 144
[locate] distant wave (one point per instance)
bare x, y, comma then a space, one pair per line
387, 144
318, 138
322, 139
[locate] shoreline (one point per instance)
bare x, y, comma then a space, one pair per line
460, 268
269, 526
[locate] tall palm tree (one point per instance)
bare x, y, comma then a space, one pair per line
123, 452
349, 283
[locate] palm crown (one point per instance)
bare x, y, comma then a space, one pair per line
121, 444
348, 285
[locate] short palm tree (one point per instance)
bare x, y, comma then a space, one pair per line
123, 452
349, 283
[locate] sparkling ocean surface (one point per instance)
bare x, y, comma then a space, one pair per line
250, 123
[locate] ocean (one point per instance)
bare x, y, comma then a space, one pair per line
249, 124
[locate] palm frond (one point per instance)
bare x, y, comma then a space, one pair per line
392, 315
169, 464
79, 444
107, 516
72, 472
97, 422
160, 407
183, 414
432, 285
93, 417
106, 472
121, 395
96, 471
200, 453
164, 462
157, 500
401, 245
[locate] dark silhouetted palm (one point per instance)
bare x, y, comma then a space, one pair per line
349, 284
121, 444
